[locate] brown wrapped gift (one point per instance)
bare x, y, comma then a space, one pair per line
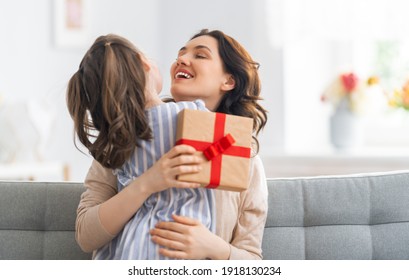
225, 140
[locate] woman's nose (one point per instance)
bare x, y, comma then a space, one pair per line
182, 60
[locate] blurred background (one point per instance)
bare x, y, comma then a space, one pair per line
334, 77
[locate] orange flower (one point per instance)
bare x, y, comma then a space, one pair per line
400, 97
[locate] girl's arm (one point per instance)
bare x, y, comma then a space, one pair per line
103, 212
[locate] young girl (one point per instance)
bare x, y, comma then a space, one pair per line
118, 116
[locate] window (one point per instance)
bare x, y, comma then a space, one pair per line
320, 39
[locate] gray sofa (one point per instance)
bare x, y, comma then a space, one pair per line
334, 217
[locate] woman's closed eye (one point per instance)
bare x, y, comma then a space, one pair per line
200, 56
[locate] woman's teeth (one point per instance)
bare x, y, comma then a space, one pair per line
183, 75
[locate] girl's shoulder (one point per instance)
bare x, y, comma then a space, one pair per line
197, 104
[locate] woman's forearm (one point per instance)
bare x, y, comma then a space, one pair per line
100, 186
118, 210
103, 212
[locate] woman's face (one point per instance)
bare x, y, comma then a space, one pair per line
198, 73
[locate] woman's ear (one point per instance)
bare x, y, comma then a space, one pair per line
229, 83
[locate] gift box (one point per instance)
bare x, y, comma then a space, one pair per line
225, 142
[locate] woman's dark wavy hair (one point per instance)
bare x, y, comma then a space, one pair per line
106, 100
244, 99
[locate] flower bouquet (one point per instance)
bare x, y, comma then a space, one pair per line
351, 98
349, 92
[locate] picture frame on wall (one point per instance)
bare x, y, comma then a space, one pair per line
70, 23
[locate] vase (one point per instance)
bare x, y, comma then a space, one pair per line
346, 129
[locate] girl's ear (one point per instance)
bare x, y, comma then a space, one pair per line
229, 83
145, 62
146, 66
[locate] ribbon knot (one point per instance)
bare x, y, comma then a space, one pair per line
219, 147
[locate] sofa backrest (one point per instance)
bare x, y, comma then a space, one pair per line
37, 220
334, 217
338, 217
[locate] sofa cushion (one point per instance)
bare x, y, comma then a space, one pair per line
37, 220
362, 216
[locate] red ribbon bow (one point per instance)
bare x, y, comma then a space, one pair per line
222, 144
219, 147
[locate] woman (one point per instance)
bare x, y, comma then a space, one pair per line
217, 69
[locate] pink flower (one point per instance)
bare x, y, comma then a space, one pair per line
349, 81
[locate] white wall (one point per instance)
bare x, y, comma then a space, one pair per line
32, 67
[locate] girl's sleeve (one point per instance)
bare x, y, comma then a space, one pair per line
100, 184
248, 234
201, 105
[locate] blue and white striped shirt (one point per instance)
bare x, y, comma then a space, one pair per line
134, 241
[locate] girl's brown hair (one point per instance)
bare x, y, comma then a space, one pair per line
106, 100
244, 99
